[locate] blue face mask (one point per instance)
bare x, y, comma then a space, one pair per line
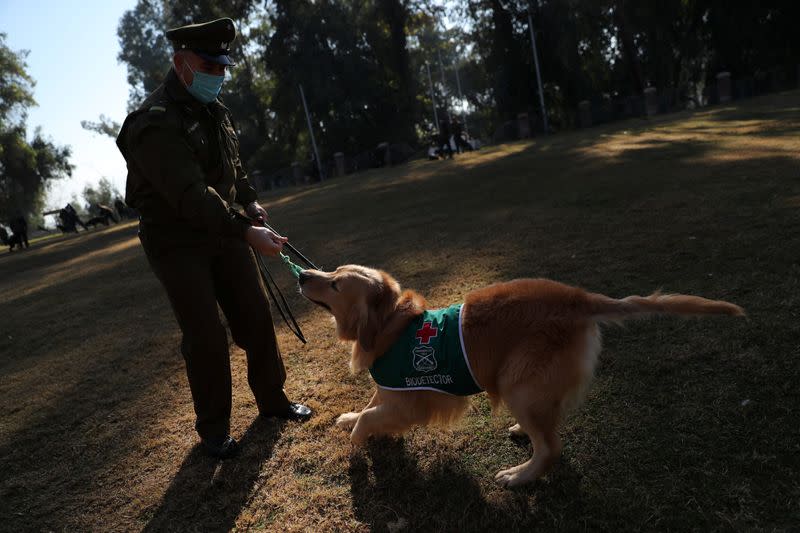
205, 87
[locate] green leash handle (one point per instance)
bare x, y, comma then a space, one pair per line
296, 269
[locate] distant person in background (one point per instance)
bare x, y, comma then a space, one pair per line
444, 139
69, 220
122, 209
459, 136
73, 215
66, 222
19, 230
106, 213
4, 239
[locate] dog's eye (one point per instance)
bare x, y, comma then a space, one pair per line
334, 287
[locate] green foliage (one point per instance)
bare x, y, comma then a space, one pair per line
144, 48
104, 126
26, 167
352, 61
16, 86
362, 63
103, 193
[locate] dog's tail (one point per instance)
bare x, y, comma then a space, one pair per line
604, 308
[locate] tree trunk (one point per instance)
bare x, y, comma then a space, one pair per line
629, 51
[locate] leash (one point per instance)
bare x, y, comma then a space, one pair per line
269, 282
282, 304
292, 249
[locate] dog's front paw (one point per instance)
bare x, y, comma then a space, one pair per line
358, 438
510, 477
516, 431
346, 421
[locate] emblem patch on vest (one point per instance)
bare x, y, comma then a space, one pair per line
424, 358
424, 354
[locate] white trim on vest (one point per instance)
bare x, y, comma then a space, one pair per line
464, 348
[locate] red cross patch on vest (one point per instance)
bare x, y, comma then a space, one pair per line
426, 333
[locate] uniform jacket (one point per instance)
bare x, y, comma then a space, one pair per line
184, 169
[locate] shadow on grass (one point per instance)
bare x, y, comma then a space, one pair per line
402, 492
207, 494
59, 249
445, 495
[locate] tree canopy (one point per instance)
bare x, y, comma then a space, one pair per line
103, 193
27, 166
364, 64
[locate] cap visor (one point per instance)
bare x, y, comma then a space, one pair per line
222, 59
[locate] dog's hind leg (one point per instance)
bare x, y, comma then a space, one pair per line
541, 426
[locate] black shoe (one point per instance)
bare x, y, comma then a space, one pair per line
294, 411
221, 448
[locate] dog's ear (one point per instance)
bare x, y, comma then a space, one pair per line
372, 313
367, 327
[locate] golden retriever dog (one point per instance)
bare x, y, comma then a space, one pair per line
531, 344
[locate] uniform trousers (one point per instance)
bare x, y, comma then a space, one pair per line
197, 279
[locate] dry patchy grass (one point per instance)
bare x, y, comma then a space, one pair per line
690, 424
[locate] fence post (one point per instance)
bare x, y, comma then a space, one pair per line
724, 87
585, 113
523, 125
650, 101
339, 158
386, 152
297, 173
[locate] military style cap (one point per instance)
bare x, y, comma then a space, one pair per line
211, 40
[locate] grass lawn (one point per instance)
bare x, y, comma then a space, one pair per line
690, 424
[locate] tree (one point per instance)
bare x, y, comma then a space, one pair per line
388, 39
104, 126
26, 167
362, 62
144, 48
104, 193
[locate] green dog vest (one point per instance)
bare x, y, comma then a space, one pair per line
428, 355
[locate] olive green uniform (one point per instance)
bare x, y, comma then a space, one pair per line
183, 173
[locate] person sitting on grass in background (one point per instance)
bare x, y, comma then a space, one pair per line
19, 230
106, 213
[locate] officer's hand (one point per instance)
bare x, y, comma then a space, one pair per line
264, 241
254, 210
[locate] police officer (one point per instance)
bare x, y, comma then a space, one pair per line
122, 209
106, 213
444, 139
19, 230
70, 219
4, 238
184, 172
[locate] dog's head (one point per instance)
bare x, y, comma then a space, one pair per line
359, 298
368, 307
